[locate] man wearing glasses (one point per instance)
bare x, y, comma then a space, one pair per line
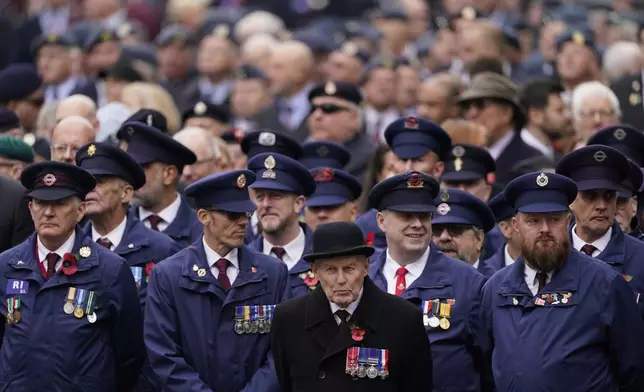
68, 136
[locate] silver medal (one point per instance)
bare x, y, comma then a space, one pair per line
372, 372
434, 322
68, 308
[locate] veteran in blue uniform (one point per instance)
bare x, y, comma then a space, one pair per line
336, 192
418, 144
324, 154
446, 290
280, 193
510, 250
559, 320
599, 172
209, 307
73, 321
158, 204
117, 177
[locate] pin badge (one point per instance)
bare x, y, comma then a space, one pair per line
599, 156
323, 175
200, 108
443, 209
444, 196
458, 151
542, 180
269, 164
266, 139
329, 88
195, 268
85, 251
619, 134
49, 179
241, 181
515, 301
415, 181
91, 150
201, 273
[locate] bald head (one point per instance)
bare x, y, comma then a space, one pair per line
68, 136
210, 150
291, 68
77, 105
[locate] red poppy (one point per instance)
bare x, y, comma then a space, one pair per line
310, 281
370, 238
69, 264
357, 334
148, 267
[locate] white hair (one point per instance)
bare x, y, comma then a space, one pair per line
110, 118
190, 133
259, 43
258, 22
594, 88
621, 59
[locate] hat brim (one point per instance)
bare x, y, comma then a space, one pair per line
598, 183
326, 201
462, 176
236, 206
413, 208
450, 220
410, 151
537, 208
474, 95
363, 250
53, 194
273, 185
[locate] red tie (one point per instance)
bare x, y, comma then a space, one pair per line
588, 249
104, 242
154, 222
401, 284
52, 259
222, 278
279, 252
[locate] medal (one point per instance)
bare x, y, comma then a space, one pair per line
10, 318
253, 319
434, 322
16, 310
444, 323
261, 322
362, 359
351, 366
90, 310
10, 314
373, 358
269, 317
383, 365
80, 299
137, 273
247, 327
239, 317
68, 307
445, 310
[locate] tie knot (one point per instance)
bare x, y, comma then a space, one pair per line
104, 242
343, 315
222, 265
52, 257
402, 271
154, 221
588, 249
279, 252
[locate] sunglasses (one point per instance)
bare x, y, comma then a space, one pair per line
452, 230
481, 104
232, 216
328, 108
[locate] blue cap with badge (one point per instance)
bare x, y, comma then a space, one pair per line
281, 173
409, 192
333, 188
540, 192
466, 162
412, 137
595, 167
105, 159
148, 144
51, 181
226, 191
262, 141
457, 207
500, 208
151, 117
624, 138
324, 154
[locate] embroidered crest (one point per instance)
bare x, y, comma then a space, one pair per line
323, 175
415, 181
49, 179
106, 36
542, 180
412, 122
241, 181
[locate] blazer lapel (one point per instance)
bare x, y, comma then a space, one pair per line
318, 320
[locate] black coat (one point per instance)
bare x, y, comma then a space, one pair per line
629, 94
15, 219
310, 349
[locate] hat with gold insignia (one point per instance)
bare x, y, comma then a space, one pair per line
226, 191
281, 173
63, 40
466, 162
99, 36
105, 159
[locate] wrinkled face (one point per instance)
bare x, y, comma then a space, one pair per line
408, 231
595, 211
479, 187
545, 238
341, 278
276, 210
462, 242
595, 112
626, 211
110, 193
66, 142
53, 219
229, 228
316, 216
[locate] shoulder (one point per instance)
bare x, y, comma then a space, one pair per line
11, 187
294, 307
172, 265
270, 264
593, 270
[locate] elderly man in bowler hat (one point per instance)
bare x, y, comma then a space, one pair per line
348, 334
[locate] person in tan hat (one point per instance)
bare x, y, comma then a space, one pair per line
492, 100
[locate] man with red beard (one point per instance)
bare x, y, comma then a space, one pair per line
558, 319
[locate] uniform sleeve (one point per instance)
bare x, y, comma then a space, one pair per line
265, 378
477, 341
162, 340
277, 345
625, 336
418, 368
127, 331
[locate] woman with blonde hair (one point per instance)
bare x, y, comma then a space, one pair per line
462, 131
140, 95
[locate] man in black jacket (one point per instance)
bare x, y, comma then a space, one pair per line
15, 221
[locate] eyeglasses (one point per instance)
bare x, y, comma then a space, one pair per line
452, 230
602, 113
232, 216
61, 149
328, 108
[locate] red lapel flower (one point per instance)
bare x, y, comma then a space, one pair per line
69, 264
310, 280
149, 267
357, 333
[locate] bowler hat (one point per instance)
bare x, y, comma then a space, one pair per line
337, 239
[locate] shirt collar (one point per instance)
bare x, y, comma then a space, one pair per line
301, 99
212, 257
497, 148
601, 243
476, 264
294, 249
351, 308
115, 236
66, 247
167, 214
531, 273
508, 259
414, 269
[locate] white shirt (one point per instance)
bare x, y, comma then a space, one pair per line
61, 90
497, 149
531, 278
532, 141
66, 247
600, 244
167, 214
254, 223
476, 264
115, 236
115, 20
351, 308
376, 122
294, 249
508, 259
212, 257
414, 270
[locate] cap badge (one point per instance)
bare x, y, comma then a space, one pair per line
350, 49
124, 30
458, 164
322, 151
241, 181
130, 130
238, 134
200, 108
85, 251
269, 164
578, 38
542, 180
634, 99
636, 85
106, 36
266, 139
49, 179
195, 267
599, 156
458, 151
443, 209
52, 38
329, 88
221, 31
323, 175
444, 196
201, 272
412, 122
29, 138
415, 181
468, 13
619, 134
91, 150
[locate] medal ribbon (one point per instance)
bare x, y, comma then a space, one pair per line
9, 306
373, 356
239, 312
254, 311
385, 361
246, 313
71, 294
16, 303
80, 298
435, 307
137, 272
262, 311
352, 360
91, 301
362, 355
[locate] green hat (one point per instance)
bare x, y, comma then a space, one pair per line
12, 147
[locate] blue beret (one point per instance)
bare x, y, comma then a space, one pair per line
12, 147
247, 72
333, 187
98, 36
595, 167
324, 154
8, 120
148, 144
409, 192
104, 159
624, 138
500, 208
337, 89
578, 36
206, 109
455, 206
226, 191
175, 34
633, 182
18, 81
281, 173
540, 192
66, 40
412, 137
52, 181
259, 142
151, 117
466, 162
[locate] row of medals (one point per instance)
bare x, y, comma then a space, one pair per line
362, 371
247, 326
78, 312
434, 322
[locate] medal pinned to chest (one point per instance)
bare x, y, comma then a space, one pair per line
437, 313
363, 362
81, 303
14, 305
253, 319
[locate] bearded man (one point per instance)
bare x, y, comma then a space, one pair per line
558, 319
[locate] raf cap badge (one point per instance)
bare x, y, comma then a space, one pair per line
578, 38
415, 181
323, 175
241, 181
91, 150
542, 180
443, 209
599, 156
350, 49
266, 139
468, 13
200, 108
49, 179
619, 134
269, 164
329, 88
412, 122
221, 31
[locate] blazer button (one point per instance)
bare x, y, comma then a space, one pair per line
322, 374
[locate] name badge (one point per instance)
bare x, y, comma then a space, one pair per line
17, 287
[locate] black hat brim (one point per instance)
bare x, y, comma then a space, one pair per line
363, 250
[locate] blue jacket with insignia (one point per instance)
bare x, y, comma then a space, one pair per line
49, 350
592, 341
189, 323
